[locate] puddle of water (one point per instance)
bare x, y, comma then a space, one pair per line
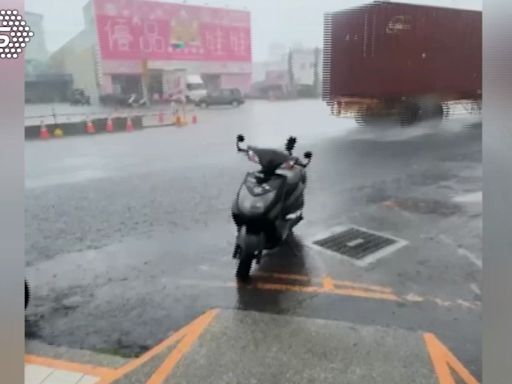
475, 197
427, 206
77, 177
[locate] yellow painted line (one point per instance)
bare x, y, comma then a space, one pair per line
328, 283
288, 287
363, 286
335, 282
445, 362
285, 276
335, 291
86, 369
366, 294
195, 330
390, 204
175, 337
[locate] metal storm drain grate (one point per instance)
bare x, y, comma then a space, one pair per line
359, 245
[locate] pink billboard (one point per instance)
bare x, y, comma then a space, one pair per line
150, 30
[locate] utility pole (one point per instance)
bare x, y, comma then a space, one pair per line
291, 77
145, 80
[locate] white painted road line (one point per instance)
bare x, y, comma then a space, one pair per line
470, 256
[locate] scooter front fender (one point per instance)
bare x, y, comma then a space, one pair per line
251, 243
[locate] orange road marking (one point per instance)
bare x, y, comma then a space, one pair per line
366, 294
195, 330
443, 360
337, 291
390, 204
328, 283
363, 286
285, 276
118, 373
287, 287
86, 369
335, 282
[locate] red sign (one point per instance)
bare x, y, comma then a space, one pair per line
136, 30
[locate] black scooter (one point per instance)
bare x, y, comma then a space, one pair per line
269, 202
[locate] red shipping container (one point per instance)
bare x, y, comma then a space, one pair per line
391, 51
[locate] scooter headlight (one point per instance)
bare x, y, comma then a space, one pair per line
253, 157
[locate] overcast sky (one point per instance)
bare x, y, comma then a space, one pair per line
273, 21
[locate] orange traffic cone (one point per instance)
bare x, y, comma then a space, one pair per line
109, 127
161, 118
129, 125
194, 119
89, 127
43, 132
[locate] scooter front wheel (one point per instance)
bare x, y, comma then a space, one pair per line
243, 269
27, 294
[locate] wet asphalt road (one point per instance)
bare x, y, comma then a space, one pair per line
129, 236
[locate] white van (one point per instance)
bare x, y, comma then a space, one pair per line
195, 88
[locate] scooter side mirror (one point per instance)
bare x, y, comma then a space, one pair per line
290, 144
308, 155
240, 139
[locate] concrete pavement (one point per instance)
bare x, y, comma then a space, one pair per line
129, 237
229, 346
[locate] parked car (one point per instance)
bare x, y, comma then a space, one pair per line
116, 100
230, 96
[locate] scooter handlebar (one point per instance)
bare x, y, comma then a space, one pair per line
307, 155
240, 139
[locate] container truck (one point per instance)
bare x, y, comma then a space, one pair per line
401, 60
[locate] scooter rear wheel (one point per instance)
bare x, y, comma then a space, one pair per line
243, 270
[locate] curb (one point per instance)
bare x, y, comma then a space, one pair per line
78, 128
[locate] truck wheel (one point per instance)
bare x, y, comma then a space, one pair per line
409, 114
360, 116
364, 117
243, 269
438, 112
431, 110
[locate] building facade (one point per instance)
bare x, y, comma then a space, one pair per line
36, 53
36, 50
130, 45
41, 84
